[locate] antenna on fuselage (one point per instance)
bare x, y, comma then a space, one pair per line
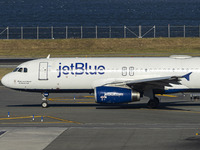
48, 56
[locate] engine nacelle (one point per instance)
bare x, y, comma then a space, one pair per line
112, 95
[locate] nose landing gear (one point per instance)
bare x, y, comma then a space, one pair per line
45, 100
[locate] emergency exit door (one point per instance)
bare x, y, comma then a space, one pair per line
43, 71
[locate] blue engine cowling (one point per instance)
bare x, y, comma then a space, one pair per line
112, 95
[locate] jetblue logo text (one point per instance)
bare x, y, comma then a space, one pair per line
80, 69
111, 94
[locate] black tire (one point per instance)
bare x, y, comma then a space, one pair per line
44, 104
157, 100
153, 103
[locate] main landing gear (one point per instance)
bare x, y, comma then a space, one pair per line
45, 100
153, 103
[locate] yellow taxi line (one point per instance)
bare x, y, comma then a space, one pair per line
12, 118
89, 96
166, 95
57, 99
73, 102
29, 122
185, 111
61, 120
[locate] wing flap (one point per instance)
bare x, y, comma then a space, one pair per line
154, 83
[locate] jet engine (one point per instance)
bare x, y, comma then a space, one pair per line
112, 95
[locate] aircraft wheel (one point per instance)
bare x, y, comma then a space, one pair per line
44, 104
157, 100
153, 103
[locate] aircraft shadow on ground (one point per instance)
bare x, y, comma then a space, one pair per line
163, 105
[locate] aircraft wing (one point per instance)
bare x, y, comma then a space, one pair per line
154, 83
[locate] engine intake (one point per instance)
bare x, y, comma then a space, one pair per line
112, 95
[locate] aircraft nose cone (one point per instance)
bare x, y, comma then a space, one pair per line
5, 80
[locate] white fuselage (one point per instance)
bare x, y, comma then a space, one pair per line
84, 74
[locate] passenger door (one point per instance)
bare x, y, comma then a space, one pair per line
43, 71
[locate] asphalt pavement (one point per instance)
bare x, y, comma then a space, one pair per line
75, 121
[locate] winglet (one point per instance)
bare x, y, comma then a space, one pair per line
187, 76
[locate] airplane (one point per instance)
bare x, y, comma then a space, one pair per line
113, 80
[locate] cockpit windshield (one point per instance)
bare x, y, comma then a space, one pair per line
20, 70
15, 70
25, 70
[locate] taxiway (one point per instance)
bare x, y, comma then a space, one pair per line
75, 121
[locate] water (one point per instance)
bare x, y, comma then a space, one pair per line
60, 13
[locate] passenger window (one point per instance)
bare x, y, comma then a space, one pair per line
124, 71
25, 70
